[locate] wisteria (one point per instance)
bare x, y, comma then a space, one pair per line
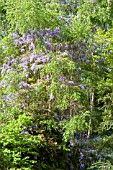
30, 63
56, 85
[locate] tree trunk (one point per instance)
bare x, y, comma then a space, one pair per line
91, 110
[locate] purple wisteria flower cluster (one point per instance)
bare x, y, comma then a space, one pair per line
46, 38
31, 59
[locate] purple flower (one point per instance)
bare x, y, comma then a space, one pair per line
25, 132
63, 47
70, 167
9, 63
81, 166
27, 97
39, 83
33, 57
24, 59
57, 47
56, 31
9, 70
71, 82
82, 55
68, 22
64, 120
71, 143
23, 106
32, 32
87, 61
4, 47
48, 33
21, 43
94, 1
23, 84
15, 35
31, 46
46, 60
24, 65
40, 66
55, 115
33, 67
16, 42
70, 15
62, 79
79, 68
78, 60
75, 6
81, 86
72, 53
49, 45
22, 50
51, 96
30, 38
25, 36
81, 155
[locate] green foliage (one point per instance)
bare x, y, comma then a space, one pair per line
102, 165
77, 124
59, 87
25, 15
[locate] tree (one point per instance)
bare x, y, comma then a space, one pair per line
55, 83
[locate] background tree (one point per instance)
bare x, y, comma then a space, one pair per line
56, 84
